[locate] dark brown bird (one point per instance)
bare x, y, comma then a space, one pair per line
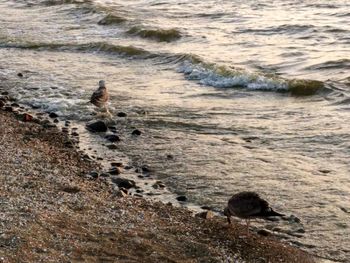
100, 97
248, 205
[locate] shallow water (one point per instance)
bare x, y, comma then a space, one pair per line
241, 95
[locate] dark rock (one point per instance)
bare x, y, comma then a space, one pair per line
56, 121
53, 115
169, 157
5, 93
136, 132
121, 114
145, 169
104, 174
138, 195
27, 117
97, 126
75, 134
35, 107
112, 146
93, 174
65, 130
69, 144
15, 105
112, 138
124, 183
99, 158
67, 123
20, 74
205, 207
117, 164
70, 189
264, 232
2, 103
8, 108
114, 171
181, 198
205, 215
128, 167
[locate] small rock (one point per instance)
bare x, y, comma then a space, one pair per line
75, 134
27, 117
15, 105
8, 108
264, 232
121, 114
112, 146
122, 192
71, 189
112, 138
2, 103
67, 123
205, 207
104, 174
97, 126
181, 198
145, 169
56, 121
117, 164
293, 218
124, 183
20, 74
136, 132
53, 115
93, 174
114, 171
205, 215
5, 93
169, 157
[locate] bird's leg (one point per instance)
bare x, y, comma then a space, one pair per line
247, 222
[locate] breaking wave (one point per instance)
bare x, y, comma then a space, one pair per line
192, 66
161, 35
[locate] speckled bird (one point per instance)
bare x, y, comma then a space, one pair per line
248, 205
100, 97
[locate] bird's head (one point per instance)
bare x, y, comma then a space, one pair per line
101, 84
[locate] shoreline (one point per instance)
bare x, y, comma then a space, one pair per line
52, 211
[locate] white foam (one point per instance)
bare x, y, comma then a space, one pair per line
212, 77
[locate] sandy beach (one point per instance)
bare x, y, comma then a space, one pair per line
53, 210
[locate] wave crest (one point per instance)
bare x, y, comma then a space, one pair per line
161, 35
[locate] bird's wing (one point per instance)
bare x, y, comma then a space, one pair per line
246, 207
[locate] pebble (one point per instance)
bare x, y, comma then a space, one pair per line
112, 138
97, 126
53, 115
205, 215
124, 183
114, 171
181, 198
112, 146
27, 117
121, 114
264, 232
20, 74
93, 174
136, 132
117, 164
